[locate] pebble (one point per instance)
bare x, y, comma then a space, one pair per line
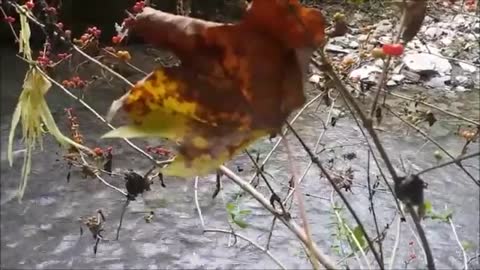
424, 62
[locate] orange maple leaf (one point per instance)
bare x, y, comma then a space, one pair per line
236, 82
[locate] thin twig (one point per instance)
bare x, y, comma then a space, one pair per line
197, 204
465, 260
386, 65
94, 112
456, 161
367, 122
267, 157
423, 237
372, 207
301, 203
339, 192
291, 225
476, 123
269, 254
424, 134
395, 245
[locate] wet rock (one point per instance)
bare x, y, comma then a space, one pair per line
336, 49
439, 82
383, 27
461, 89
391, 83
425, 63
467, 67
411, 76
398, 77
461, 80
364, 72
315, 78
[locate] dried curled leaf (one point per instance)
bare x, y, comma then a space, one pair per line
237, 82
33, 113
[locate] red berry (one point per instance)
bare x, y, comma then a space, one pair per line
109, 149
75, 79
138, 7
98, 151
116, 39
393, 49
52, 10
410, 243
10, 19
30, 4
70, 84
97, 33
65, 83
60, 25
80, 84
413, 256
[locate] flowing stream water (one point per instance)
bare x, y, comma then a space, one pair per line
43, 231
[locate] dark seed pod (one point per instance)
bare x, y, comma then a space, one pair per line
136, 184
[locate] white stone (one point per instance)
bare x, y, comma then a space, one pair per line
467, 67
422, 62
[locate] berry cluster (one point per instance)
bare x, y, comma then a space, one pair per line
100, 152
29, 4
9, 19
158, 150
74, 82
74, 126
91, 33
138, 7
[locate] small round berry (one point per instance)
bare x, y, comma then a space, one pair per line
98, 151
10, 19
116, 39
378, 53
60, 25
393, 49
30, 4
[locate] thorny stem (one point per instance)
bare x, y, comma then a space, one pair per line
423, 237
372, 208
367, 122
435, 107
377, 163
424, 134
267, 157
341, 223
386, 64
317, 162
236, 235
291, 225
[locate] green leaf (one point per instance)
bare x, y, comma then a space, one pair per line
245, 212
240, 222
359, 236
467, 245
231, 207
428, 207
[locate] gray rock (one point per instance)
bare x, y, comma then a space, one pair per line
426, 63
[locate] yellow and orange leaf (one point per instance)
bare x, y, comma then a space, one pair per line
236, 82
